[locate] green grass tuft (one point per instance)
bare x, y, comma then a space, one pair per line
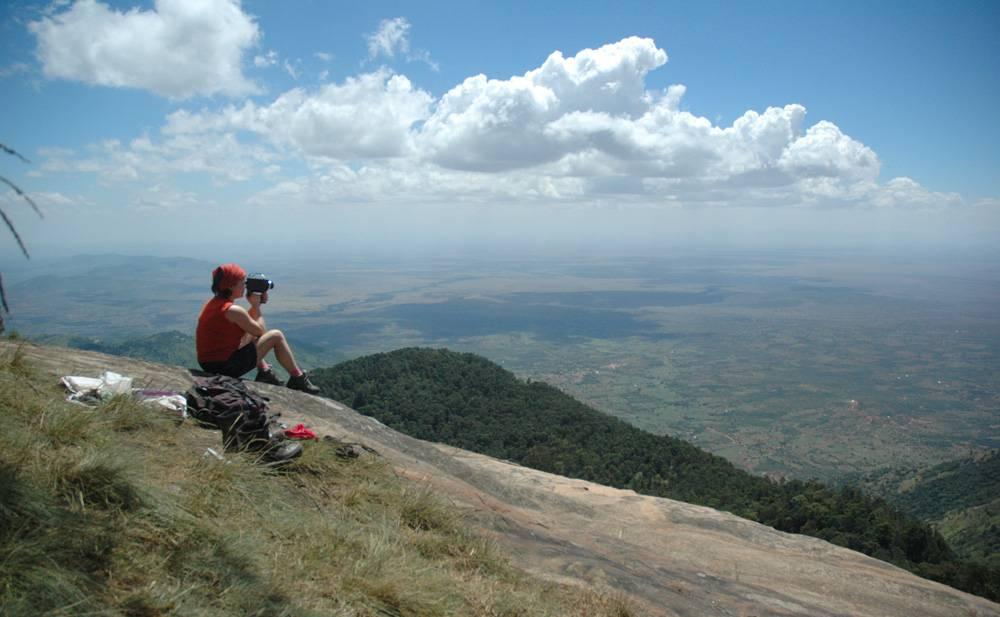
421, 509
123, 413
97, 482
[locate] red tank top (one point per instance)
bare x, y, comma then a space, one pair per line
216, 337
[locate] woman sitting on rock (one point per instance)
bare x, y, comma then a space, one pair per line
231, 340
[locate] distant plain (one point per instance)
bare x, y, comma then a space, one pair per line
797, 364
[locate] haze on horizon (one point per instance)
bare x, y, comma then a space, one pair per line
197, 127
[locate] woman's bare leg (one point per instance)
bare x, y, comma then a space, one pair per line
275, 340
261, 363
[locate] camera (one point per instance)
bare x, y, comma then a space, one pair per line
258, 283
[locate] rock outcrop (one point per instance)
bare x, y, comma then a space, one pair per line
670, 557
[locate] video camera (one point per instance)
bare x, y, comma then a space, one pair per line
258, 283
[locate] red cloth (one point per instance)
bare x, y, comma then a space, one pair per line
229, 275
299, 431
216, 338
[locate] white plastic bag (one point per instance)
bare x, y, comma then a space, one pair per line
112, 383
91, 391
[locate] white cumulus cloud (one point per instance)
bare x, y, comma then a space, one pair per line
493, 125
576, 130
907, 193
824, 151
179, 49
591, 116
368, 116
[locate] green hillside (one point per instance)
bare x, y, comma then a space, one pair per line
951, 486
960, 498
116, 511
469, 402
974, 532
172, 347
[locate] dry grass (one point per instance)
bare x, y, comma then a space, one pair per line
115, 510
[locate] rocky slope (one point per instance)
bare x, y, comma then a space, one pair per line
672, 558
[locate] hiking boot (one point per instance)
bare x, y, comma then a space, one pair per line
302, 384
267, 376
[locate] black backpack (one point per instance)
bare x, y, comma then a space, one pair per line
225, 403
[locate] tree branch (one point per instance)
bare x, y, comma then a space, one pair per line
17, 236
13, 152
22, 194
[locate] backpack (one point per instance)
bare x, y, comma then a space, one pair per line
225, 403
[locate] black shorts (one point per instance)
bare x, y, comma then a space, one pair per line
238, 364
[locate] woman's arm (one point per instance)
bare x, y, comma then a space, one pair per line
239, 316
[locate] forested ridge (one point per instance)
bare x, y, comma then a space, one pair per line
171, 347
960, 498
469, 402
952, 486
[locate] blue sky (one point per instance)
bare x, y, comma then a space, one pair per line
160, 125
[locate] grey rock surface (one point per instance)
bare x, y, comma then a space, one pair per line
670, 557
